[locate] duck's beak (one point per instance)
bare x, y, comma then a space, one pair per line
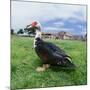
28, 26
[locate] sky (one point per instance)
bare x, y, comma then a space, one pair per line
52, 17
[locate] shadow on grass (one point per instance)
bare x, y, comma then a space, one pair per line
63, 69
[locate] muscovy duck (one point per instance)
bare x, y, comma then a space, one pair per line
49, 53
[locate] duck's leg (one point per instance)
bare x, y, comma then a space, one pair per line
43, 68
46, 66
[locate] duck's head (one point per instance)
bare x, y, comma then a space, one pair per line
34, 26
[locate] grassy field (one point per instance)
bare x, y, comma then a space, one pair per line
24, 62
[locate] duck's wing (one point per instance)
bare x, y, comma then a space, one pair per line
56, 49
57, 55
53, 54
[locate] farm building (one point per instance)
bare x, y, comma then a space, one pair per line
48, 35
61, 35
65, 35
77, 37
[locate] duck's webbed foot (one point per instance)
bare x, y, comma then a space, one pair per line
43, 68
46, 66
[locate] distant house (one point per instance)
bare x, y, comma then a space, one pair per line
65, 35
49, 35
60, 35
24, 34
46, 35
77, 37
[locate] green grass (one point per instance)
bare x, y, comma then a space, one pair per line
24, 61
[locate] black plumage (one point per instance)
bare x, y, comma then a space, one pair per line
51, 54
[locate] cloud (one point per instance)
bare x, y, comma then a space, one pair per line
23, 13
50, 29
81, 27
59, 24
57, 29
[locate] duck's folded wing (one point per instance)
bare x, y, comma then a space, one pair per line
50, 53
55, 48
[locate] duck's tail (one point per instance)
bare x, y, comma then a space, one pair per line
68, 63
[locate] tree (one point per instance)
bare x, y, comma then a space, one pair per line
20, 31
12, 31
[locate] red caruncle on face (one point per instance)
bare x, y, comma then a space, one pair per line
34, 24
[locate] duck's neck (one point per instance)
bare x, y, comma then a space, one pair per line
38, 35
